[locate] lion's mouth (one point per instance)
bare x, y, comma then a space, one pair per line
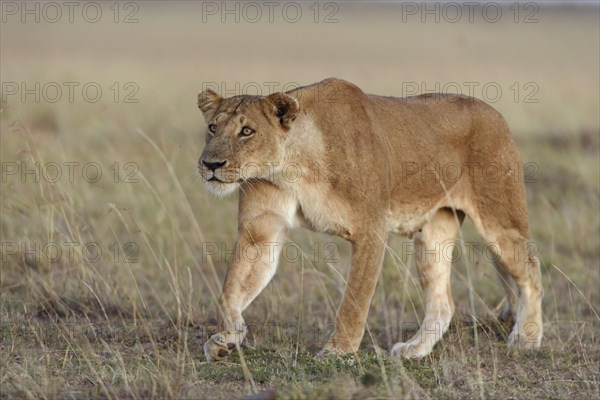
220, 188
218, 178
221, 181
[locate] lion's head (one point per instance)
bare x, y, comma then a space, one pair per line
244, 139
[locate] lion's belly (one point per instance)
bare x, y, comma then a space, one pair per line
406, 219
410, 220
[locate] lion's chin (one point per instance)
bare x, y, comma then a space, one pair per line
221, 189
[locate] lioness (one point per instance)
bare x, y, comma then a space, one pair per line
366, 165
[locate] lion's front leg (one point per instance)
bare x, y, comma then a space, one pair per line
367, 258
251, 268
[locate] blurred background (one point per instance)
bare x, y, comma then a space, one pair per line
103, 216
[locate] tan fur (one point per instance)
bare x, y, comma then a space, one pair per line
363, 166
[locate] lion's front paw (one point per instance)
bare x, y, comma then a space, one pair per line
520, 340
328, 353
216, 349
336, 347
410, 350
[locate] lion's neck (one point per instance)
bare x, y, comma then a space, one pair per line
304, 147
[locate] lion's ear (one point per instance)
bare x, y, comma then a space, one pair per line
208, 102
283, 107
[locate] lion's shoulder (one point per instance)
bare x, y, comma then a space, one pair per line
328, 93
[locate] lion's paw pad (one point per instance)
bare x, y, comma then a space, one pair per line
522, 341
215, 348
409, 350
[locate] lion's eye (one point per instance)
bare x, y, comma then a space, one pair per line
246, 132
212, 128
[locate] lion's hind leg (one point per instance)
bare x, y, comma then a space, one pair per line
432, 246
516, 262
502, 221
509, 310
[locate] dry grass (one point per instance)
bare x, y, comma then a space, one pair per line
129, 323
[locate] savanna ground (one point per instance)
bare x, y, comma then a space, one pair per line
109, 282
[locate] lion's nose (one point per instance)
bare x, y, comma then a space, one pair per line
213, 165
